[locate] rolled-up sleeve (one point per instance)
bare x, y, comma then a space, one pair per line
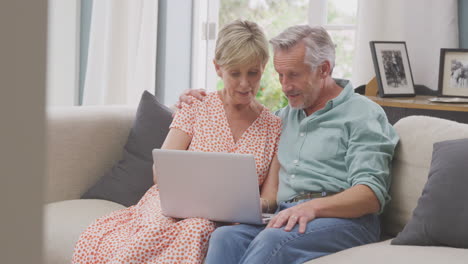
370, 152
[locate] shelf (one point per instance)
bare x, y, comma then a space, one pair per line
418, 102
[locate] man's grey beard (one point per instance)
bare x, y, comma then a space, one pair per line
299, 107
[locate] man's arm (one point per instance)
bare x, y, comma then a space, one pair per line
370, 151
354, 202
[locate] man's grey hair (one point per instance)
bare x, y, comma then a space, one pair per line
319, 45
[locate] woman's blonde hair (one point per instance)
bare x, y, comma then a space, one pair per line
241, 42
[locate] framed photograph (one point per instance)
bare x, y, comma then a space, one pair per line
453, 72
392, 68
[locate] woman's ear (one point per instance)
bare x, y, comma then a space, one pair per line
218, 69
264, 67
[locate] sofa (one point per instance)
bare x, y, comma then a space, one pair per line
84, 142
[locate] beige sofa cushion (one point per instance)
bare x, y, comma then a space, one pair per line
83, 143
412, 162
63, 223
384, 253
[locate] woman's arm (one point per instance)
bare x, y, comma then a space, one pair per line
270, 187
176, 139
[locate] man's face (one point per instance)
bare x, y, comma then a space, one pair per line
301, 86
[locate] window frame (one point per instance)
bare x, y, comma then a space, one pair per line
205, 28
204, 33
318, 16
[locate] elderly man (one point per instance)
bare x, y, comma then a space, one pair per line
335, 152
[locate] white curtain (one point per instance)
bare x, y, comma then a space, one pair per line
122, 51
425, 25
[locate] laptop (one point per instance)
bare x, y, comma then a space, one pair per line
217, 186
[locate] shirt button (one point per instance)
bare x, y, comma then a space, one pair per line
302, 134
295, 161
293, 176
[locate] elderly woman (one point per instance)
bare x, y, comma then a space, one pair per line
230, 120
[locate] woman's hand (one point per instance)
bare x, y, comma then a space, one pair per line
267, 206
270, 187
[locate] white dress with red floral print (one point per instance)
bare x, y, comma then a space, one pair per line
141, 233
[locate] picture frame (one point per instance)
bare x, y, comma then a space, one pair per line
392, 68
453, 73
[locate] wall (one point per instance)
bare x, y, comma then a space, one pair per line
463, 23
23, 25
63, 52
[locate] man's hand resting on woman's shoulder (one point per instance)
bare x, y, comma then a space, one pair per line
185, 97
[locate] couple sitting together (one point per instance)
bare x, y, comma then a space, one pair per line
322, 162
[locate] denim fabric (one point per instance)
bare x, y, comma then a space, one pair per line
255, 244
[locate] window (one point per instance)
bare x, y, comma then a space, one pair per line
337, 16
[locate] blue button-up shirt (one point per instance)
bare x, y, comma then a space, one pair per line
348, 142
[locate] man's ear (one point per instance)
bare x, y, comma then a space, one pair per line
325, 69
218, 69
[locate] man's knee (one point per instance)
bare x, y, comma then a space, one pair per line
223, 234
272, 234
271, 238
228, 243
267, 246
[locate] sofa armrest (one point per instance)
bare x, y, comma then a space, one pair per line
411, 164
83, 143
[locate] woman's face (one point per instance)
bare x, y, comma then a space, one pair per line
241, 83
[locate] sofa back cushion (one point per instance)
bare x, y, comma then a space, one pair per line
82, 144
441, 215
129, 179
411, 164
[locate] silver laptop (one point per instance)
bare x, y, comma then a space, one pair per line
216, 186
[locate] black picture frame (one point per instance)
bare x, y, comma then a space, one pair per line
392, 68
453, 73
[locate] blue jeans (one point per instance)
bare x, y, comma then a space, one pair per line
323, 236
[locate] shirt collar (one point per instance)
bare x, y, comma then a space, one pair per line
347, 92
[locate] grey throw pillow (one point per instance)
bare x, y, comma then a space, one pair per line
128, 180
441, 216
